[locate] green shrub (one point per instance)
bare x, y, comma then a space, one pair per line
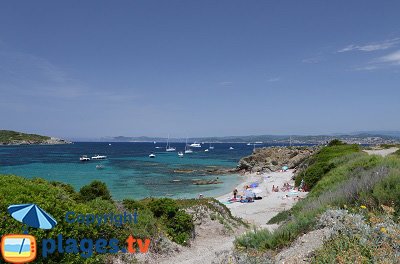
180, 227
336, 142
163, 206
282, 216
387, 191
132, 204
96, 189
54, 199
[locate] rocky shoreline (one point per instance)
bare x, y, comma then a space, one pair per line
274, 158
50, 141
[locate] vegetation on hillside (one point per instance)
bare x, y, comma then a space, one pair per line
324, 161
341, 176
8, 137
158, 219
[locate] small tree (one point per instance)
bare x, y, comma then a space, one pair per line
96, 189
336, 142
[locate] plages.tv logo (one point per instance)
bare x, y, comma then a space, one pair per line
21, 248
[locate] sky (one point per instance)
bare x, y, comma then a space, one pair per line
199, 68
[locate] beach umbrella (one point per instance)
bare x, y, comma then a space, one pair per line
253, 185
256, 190
32, 215
249, 193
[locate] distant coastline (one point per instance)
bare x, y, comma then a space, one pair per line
370, 138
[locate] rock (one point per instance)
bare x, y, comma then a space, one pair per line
273, 158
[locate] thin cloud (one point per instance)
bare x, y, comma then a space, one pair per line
31, 75
392, 58
367, 68
389, 60
386, 44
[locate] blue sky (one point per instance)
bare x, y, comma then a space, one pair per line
199, 68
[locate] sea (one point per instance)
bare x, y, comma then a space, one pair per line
128, 171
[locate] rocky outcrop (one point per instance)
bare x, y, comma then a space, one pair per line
274, 158
9, 137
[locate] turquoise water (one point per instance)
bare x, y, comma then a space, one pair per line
128, 171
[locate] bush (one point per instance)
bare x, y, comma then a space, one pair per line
387, 191
180, 227
54, 199
355, 240
132, 204
163, 207
96, 189
336, 142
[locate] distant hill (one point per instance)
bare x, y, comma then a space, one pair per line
359, 138
9, 137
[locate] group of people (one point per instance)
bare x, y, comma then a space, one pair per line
287, 187
244, 198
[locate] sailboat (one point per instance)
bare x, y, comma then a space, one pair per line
187, 150
211, 147
168, 148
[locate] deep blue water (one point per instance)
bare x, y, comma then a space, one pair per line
128, 171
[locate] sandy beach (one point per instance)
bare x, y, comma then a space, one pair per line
210, 244
259, 212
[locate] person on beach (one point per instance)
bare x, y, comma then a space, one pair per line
235, 193
273, 188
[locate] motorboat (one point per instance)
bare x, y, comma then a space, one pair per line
180, 154
152, 155
100, 167
211, 147
195, 145
248, 144
231, 148
84, 158
206, 150
99, 157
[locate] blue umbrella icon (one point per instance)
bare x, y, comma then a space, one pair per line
32, 215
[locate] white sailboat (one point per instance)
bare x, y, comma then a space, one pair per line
168, 148
211, 147
187, 150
